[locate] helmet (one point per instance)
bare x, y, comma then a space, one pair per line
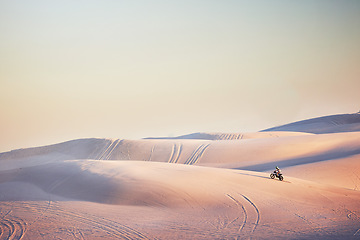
277, 167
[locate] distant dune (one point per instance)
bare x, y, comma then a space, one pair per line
326, 124
232, 136
196, 186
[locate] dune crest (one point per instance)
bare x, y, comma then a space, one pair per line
326, 124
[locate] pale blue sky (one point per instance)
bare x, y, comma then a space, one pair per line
133, 69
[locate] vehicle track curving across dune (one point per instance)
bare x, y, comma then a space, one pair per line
230, 136
197, 154
107, 226
175, 153
12, 228
106, 155
102, 151
251, 214
241, 227
116, 143
256, 223
77, 234
151, 153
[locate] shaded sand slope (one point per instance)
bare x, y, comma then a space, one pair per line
180, 201
326, 124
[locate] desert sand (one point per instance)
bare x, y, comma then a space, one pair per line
196, 186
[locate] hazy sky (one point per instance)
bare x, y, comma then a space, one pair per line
133, 69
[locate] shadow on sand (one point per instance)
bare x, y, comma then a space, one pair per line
299, 161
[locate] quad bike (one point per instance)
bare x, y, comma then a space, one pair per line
280, 176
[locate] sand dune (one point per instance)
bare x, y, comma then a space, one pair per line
341, 172
257, 154
233, 136
199, 186
326, 124
249, 203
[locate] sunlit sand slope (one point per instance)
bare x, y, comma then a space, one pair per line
159, 200
341, 172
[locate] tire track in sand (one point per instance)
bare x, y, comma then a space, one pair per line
230, 136
104, 149
77, 234
113, 228
107, 153
116, 143
12, 228
197, 154
243, 209
151, 153
175, 153
251, 219
172, 153
256, 210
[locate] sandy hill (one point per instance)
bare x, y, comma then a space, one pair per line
326, 124
197, 186
256, 154
232, 136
